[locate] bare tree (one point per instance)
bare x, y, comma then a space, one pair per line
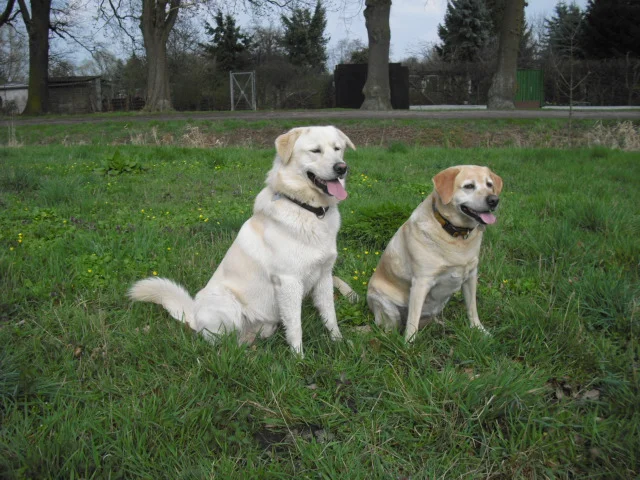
377, 92
503, 85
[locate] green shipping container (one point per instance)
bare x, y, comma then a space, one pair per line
529, 89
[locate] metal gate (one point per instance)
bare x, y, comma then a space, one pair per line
243, 89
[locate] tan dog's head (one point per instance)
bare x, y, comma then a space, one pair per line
310, 165
470, 193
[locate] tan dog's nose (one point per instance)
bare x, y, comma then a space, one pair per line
492, 201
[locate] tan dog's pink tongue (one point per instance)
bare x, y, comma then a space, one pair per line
336, 189
487, 218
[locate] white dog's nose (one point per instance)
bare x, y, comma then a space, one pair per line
340, 168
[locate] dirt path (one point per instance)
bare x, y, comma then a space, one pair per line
581, 114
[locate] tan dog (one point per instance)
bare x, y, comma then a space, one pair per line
284, 252
435, 252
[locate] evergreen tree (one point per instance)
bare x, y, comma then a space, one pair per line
229, 46
304, 39
611, 29
466, 30
564, 30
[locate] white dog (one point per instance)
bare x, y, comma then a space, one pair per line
435, 252
283, 252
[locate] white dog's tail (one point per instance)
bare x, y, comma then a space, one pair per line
173, 297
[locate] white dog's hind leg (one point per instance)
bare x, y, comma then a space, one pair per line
289, 292
323, 300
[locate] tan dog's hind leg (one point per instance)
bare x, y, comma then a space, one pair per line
417, 294
469, 291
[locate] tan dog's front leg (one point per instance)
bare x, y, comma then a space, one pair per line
469, 291
417, 294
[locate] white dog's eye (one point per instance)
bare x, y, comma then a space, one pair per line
316, 150
337, 149
469, 186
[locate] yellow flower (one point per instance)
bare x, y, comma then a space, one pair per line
10, 248
142, 211
377, 253
366, 252
355, 277
89, 270
168, 248
155, 273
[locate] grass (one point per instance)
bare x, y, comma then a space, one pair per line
92, 386
194, 131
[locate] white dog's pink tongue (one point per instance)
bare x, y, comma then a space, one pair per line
336, 189
487, 218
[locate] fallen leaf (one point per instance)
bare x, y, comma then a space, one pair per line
591, 395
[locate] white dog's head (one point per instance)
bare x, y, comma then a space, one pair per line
468, 194
310, 166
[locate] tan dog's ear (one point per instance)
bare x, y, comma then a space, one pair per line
497, 183
342, 135
285, 143
444, 183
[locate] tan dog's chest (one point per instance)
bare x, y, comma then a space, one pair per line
446, 283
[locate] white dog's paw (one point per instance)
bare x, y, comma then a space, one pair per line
483, 330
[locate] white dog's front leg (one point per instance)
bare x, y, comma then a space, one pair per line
417, 294
323, 300
289, 292
469, 291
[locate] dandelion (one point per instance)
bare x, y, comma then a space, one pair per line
155, 273
355, 277
89, 270
366, 252
142, 211
168, 248
364, 283
345, 249
201, 216
377, 253
11, 248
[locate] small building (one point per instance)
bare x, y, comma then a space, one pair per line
79, 94
350, 79
87, 94
13, 98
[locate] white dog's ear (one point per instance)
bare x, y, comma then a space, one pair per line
285, 143
444, 183
347, 140
497, 183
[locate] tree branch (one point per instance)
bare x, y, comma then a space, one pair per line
6, 15
25, 14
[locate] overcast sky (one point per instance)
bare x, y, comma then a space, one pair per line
413, 22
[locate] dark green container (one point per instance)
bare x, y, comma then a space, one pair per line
529, 89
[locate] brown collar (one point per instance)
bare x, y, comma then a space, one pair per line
448, 226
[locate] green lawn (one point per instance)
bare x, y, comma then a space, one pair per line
92, 386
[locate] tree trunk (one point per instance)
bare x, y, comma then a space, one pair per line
377, 93
37, 24
156, 24
503, 84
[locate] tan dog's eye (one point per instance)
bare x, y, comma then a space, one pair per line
469, 186
489, 184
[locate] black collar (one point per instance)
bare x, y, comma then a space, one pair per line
448, 226
318, 211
